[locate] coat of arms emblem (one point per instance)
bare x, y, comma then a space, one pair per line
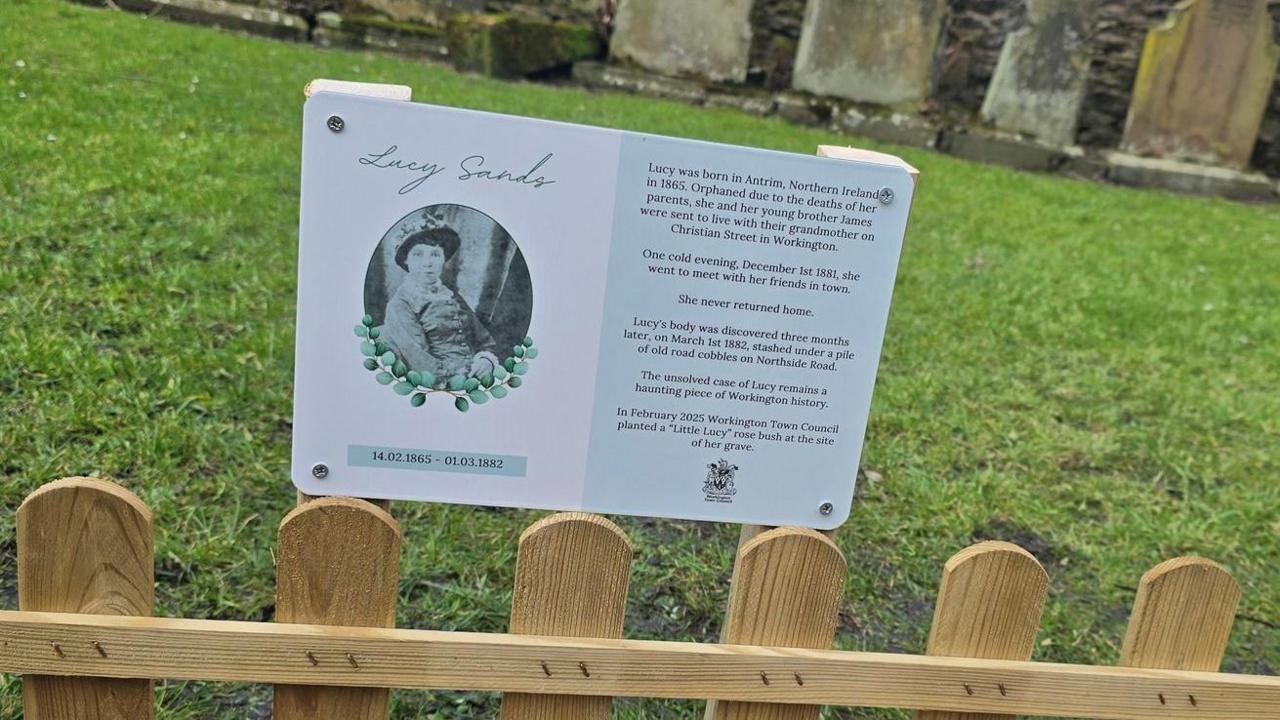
718, 486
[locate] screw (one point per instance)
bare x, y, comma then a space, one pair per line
885, 196
319, 471
826, 508
335, 123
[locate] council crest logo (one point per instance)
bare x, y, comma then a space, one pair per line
718, 486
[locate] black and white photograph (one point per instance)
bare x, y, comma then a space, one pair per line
449, 291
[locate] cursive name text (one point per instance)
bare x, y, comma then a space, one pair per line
472, 168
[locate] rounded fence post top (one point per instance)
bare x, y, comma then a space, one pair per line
106, 488
329, 504
575, 518
775, 534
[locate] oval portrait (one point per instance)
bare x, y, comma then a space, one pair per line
449, 292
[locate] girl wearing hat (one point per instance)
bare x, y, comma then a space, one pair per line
428, 325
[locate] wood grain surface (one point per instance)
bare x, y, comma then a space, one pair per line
85, 546
274, 653
786, 592
989, 606
1182, 617
336, 564
571, 580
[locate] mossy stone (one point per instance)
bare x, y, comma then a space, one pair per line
512, 47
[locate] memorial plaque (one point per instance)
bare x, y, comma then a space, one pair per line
709, 39
874, 51
1203, 83
506, 311
1039, 82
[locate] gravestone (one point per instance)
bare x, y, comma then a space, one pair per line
874, 51
1203, 83
1039, 82
709, 39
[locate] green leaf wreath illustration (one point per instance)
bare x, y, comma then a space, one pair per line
388, 369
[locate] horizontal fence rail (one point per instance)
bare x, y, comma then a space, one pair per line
87, 648
67, 644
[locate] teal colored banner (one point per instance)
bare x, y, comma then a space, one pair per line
435, 461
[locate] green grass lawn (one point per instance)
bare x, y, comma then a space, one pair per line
1091, 372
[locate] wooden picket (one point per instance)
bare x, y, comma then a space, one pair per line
85, 567
1181, 620
786, 589
336, 564
85, 546
572, 572
989, 606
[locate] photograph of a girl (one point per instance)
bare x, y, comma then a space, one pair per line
448, 291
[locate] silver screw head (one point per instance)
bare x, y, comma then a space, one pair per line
319, 471
885, 196
335, 123
826, 508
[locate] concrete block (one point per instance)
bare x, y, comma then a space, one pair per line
1189, 177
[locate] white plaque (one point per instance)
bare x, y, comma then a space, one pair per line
505, 311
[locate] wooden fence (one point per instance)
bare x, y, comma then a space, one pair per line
88, 648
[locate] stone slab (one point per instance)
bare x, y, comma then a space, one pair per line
1203, 83
1010, 151
357, 31
895, 128
1087, 165
873, 51
747, 102
1038, 86
803, 109
1189, 177
708, 39
259, 21
612, 77
509, 46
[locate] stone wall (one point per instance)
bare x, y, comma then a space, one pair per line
975, 33
775, 26
579, 11
492, 36
1120, 31
1266, 156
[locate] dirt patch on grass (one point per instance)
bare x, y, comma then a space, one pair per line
889, 613
1007, 530
661, 612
